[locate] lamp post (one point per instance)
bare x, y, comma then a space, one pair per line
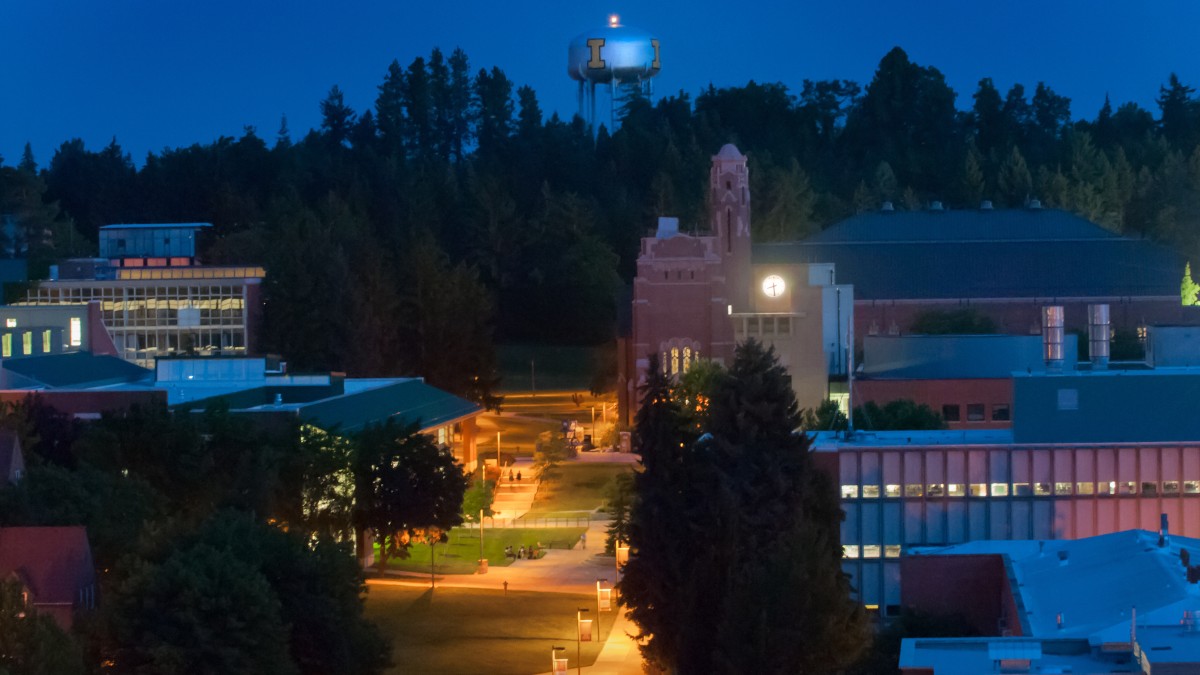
482, 560
603, 604
622, 555
580, 638
557, 665
497, 456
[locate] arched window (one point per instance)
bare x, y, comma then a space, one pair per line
674, 360
687, 359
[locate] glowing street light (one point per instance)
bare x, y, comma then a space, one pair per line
558, 666
603, 604
583, 633
622, 555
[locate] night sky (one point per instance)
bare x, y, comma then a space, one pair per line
162, 73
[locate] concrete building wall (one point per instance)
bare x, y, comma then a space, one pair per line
992, 398
1021, 316
899, 497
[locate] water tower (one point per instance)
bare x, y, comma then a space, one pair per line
621, 57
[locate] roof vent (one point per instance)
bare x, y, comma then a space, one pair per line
887, 206
935, 206
985, 205
1035, 204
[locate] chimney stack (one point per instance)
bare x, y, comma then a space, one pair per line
1099, 336
1052, 337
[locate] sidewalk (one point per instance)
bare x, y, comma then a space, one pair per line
559, 571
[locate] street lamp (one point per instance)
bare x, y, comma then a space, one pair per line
622, 555
583, 633
557, 665
603, 604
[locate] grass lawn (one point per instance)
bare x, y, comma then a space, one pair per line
463, 630
460, 554
579, 487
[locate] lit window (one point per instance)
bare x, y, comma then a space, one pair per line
1041, 489
1021, 490
1191, 487
936, 490
975, 412
871, 551
1001, 413
1128, 488
1106, 488
27, 343
6, 346
849, 492
891, 551
1170, 487
10, 323
979, 490
1149, 489
950, 413
45, 342
849, 551
871, 491
76, 331
1085, 488
674, 360
999, 489
1062, 489
687, 358
891, 490
955, 489
914, 490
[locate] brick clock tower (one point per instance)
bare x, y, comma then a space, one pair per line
729, 196
687, 286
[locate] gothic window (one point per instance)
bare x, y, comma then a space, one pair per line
666, 365
674, 360
687, 359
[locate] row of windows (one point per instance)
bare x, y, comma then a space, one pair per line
75, 294
194, 273
952, 412
1084, 488
871, 551
764, 325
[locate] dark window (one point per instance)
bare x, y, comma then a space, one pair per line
950, 413
728, 185
974, 412
1001, 413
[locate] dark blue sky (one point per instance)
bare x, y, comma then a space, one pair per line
158, 73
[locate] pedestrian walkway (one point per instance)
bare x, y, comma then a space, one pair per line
559, 571
514, 498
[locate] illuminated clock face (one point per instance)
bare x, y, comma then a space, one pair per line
773, 286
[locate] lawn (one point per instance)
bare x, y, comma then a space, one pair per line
460, 554
461, 630
578, 487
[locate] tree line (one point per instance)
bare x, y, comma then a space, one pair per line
220, 545
402, 238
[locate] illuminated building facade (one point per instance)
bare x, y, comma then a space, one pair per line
1088, 453
696, 296
155, 299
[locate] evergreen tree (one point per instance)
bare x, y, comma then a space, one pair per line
389, 111
1189, 290
28, 163
1014, 183
787, 604
337, 118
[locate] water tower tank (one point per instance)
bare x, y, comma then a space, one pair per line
615, 55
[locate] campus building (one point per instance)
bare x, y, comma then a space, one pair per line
696, 296
1004, 263
266, 392
1115, 603
1089, 452
155, 298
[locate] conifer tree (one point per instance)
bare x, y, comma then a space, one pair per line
1189, 290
